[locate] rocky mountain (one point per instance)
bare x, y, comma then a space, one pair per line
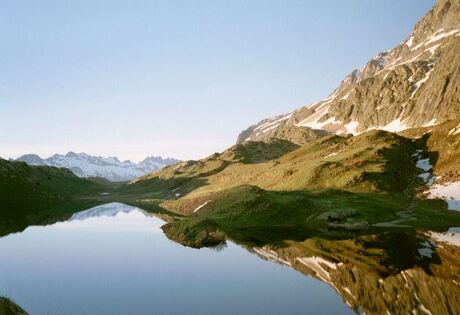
111, 168
416, 84
338, 164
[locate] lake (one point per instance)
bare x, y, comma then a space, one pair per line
115, 259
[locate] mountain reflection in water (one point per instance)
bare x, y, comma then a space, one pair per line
392, 271
115, 259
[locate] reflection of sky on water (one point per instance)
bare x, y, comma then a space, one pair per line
115, 260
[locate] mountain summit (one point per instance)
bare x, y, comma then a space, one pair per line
415, 84
111, 168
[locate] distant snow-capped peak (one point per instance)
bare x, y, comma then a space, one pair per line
111, 168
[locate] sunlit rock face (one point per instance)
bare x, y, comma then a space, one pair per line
400, 274
415, 84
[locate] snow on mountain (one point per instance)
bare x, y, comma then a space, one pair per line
413, 85
111, 168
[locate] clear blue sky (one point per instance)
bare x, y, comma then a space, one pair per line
176, 78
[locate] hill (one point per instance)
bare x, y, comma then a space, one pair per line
354, 183
335, 165
41, 194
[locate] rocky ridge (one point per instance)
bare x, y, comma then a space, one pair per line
416, 84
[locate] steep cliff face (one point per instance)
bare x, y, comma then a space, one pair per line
416, 84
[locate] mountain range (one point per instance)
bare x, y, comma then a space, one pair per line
110, 168
353, 190
382, 150
415, 84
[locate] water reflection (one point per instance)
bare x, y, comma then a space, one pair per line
115, 260
426, 279
107, 210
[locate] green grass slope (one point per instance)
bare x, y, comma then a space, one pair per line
443, 146
20, 183
375, 161
333, 183
41, 194
8, 307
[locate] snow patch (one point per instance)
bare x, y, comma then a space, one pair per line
450, 192
410, 41
395, 63
351, 127
312, 121
318, 264
441, 35
452, 236
432, 122
346, 96
201, 206
386, 75
271, 255
432, 49
454, 131
271, 128
419, 83
346, 289
436, 37
394, 126
272, 123
424, 309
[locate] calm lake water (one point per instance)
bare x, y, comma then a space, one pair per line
115, 259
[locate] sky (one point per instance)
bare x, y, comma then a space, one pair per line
175, 78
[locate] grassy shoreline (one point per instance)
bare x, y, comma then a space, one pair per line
8, 307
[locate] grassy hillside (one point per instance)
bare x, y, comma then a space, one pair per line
41, 194
443, 145
265, 191
7, 307
20, 182
250, 214
374, 161
270, 191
